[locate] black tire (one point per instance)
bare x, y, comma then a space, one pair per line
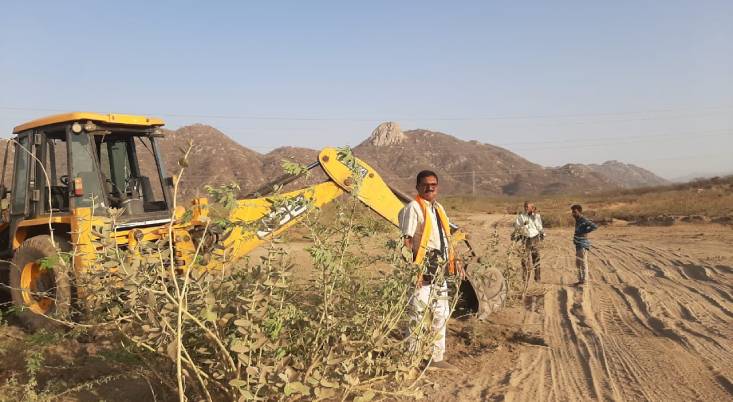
5, 299
47, 292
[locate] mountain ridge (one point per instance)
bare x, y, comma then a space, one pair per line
464, 167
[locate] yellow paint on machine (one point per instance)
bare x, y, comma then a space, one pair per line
373, 191
110, 118
278, 216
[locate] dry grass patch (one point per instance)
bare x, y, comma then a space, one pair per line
711, 200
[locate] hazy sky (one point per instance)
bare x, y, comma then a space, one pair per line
645, 82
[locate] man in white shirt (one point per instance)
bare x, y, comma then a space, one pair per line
528, 229
426, 231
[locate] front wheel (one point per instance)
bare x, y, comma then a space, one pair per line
40, 283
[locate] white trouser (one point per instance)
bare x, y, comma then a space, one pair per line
435, 298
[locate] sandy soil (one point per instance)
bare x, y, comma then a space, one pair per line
654, 323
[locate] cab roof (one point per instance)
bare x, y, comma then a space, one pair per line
111, 118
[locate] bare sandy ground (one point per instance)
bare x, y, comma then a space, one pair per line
654, 323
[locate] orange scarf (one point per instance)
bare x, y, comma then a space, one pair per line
427, 227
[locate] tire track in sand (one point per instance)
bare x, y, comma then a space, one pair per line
654, 324
644, 329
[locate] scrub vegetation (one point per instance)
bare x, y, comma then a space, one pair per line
699, 201
245, 331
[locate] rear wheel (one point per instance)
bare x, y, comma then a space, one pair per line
490, 290
40, 283
5, 299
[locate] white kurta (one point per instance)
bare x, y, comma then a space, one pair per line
412, 223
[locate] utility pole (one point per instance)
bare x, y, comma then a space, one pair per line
473, 182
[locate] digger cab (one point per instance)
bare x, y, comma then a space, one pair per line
59, 164
64, 179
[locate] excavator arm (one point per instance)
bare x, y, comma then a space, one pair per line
259, 219
262, 215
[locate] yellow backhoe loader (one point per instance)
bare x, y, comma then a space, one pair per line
71, 170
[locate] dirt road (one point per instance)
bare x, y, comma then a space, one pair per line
654, 323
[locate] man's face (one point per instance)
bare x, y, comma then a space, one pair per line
428, 188
576, 213
529, 208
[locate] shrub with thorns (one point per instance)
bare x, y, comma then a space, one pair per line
248, 332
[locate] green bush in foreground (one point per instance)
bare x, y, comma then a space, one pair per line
248, 332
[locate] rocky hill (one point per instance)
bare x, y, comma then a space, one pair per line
627, 175
215, 159
464, 167
471, 167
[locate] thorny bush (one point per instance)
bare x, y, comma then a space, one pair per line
507, 258
248, 332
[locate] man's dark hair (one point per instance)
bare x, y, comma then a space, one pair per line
425, 173
576, 207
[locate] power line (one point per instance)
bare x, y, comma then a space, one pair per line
403, 118
714, 132
573, 143
576, 142
596, 140
473, 172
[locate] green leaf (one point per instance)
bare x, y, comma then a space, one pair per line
325, 393
242, 322
334, 360
365, 397
328, 384
238, 383
239, 346
351, 380
49, 262
293, 168
210, 316
296, 388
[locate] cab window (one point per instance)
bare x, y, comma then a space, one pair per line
20, 178
57, 168
85, 174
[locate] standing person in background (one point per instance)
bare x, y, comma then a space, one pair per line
583, 226
528, 229
426, 232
